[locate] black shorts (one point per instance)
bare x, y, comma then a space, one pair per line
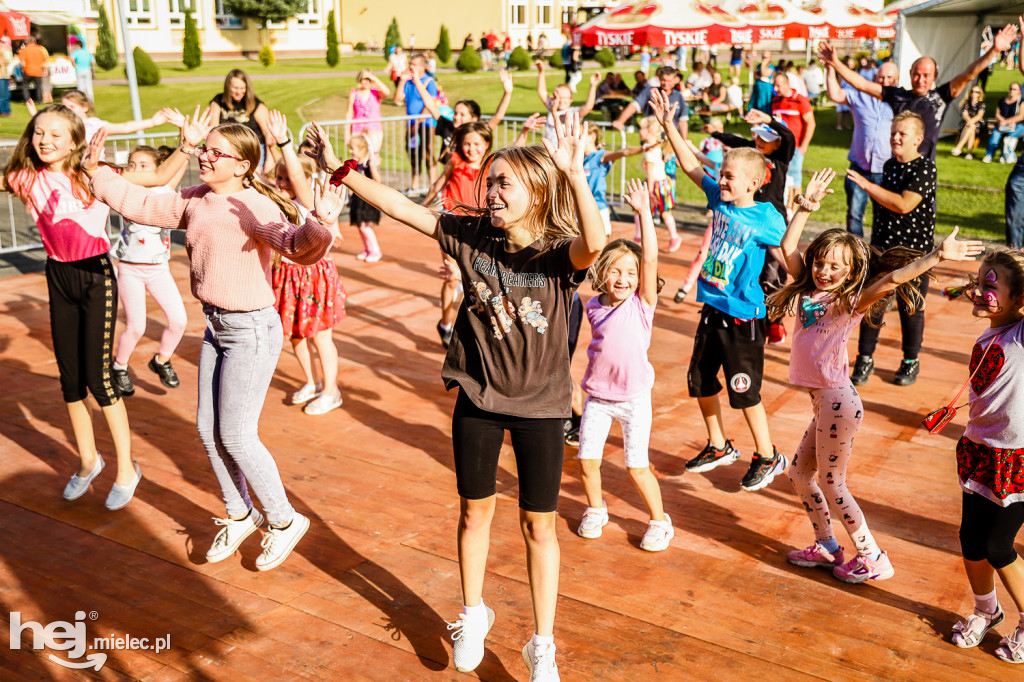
737, 346
538, 445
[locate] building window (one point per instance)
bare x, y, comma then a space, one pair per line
518, 13
91, 8
225, 19
543, 12
140, 13
176, 13
568, 14
311, 17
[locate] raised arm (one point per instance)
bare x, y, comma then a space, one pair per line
157, 119
532, 122
639, 199
350, 113
612, 157
836, 92
506, 98
390, 201
281, 137
193, 131
568, 159
817, 189
438, 185
827, 54
950, 249
133, 202
429, 101
542, 85
1000, 42
664, 113
902, 203
588, 106
400, 87
620, 122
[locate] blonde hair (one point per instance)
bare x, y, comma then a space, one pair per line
751, 158
913, 118
244, 141
78, 97
23, 168
363, 74
598, 272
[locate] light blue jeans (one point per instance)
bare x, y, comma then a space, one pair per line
236, 363
857, 200
997, 135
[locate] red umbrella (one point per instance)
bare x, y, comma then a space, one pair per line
14, 25
844, 20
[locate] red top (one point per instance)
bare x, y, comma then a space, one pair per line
461, 185
791, 110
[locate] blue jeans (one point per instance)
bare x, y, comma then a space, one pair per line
857, 200
997, 136
236, 363
1015, 207
5, 96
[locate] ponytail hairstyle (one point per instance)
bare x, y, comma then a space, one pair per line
481, 129
244, 141
23, 168
611, 253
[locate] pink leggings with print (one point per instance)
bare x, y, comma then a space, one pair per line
133, 281
819, 466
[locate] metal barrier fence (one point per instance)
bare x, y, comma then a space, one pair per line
19, 233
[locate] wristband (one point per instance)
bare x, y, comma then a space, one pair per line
286, 142
190, 151
339, 175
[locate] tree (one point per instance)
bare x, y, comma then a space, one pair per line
469, 60
332, 40
265, 11
444, 46
192, 56
106, 50
392, 39
146, 71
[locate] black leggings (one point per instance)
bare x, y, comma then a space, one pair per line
538, 445
987, 530
911, 327
83, 313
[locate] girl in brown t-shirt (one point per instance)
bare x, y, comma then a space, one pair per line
521, 257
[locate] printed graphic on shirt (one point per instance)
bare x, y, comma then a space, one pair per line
497, 308
727, 241
991, 365
810, 312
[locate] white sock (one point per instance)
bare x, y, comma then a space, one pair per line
120, 367
444, 326
478, 611
986, 603
540, 641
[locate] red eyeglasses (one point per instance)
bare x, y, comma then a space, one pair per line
203, 150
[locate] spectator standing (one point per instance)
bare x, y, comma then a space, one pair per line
735, 61
33, 58
5, 83
668, 83
1009, 125
397, 63
814, 81
419, 133
761, 94
486, 58
796, 112
412, 42
238, 103
84, 62
1014, 194
870, 149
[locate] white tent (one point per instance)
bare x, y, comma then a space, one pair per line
949, 31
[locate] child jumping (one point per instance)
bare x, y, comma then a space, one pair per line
830, 294
619, 376
662, 197
521, 259
731, 333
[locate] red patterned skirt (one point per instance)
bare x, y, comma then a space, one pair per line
994, 473
309, 298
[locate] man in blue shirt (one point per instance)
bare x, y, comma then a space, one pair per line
83, 67
419, 133
872, 121
668, 82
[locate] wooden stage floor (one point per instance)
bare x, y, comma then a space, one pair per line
366, 593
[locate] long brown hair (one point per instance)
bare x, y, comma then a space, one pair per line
23, 168
481, 129
244, 141
249, 101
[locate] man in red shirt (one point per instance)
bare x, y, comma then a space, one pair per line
33, 63
795, 111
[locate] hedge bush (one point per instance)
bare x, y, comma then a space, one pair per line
555, 59
469, 61
605, 57
444, 46
332, 40
267, 57
520, 59
146, 71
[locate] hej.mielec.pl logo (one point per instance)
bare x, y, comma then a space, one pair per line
71, 638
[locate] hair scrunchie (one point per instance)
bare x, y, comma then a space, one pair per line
339, 175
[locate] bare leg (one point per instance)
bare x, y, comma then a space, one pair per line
647, 484
301, 348
981, 576
449, 296
117, 421
590, 476
85, 440
328, 352
542, 562
670, 223
757, 420
578, 398
1013, 580
474, 537
711, 410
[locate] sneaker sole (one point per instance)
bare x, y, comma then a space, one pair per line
490, 624
215, 558
855, 580
285, 554
770, 476
812, 564
721, 461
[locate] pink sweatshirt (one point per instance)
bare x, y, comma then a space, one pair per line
71, 231
230, 238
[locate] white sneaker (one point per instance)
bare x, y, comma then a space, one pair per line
231, 536
78, 485
593, 521
278, 543
306, 393
987, 159
541, 662
658, 535
469, 638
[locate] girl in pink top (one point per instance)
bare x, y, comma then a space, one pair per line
830, 295
44, 171
619, 377
364, 105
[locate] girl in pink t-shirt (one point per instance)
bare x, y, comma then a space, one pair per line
830, 295
364, 105
619, 377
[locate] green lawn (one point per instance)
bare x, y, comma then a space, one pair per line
976, 204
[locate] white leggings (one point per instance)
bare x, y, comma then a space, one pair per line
634, 416
133, 281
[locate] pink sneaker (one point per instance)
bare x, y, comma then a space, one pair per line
674, 243
860, 569
816, 556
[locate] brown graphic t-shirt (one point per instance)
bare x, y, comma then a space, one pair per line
509, 352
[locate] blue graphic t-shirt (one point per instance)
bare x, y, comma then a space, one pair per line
597, 176
740, 238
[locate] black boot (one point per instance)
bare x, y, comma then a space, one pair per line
862, 369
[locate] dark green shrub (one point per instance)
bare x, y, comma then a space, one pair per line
469, 61
191, 55
360, 47
605, 57
106, 50
392, 39
267, 57
555, 59
332, 40
444, 46
146, 71
520, 59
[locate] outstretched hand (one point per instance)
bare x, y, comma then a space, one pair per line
278, 126
638, 196
595, 78
857, 178
94, 152
827, 53
1004, 39
328, 200
173, 116
661, 108
533, 122
568, 155
506, 81
817, 187
954, 249
196, 127
756, 117
322, 152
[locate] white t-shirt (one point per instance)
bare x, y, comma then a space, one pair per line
734, 96
996, 393
549, 124
654, 163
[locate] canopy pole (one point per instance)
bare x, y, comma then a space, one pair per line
129, 59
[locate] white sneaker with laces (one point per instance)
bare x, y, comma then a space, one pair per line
468, 637
231, 536
278, 543
540, 661
659, 534
594, 519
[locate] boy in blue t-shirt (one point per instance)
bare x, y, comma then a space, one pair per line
731, 333
597, 163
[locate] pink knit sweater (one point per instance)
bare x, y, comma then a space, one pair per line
230, 238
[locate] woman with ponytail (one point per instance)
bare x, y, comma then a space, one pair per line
234, 223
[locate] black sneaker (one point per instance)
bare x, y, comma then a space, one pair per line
907, 373
711, 457
763, 470
862, 369
680, 296
168, 377
445, 334
572, 430
123, 382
